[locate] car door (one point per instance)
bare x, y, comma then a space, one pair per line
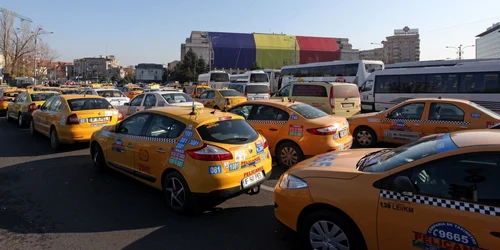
203, 99
446, 117
269, 121
11, 106
403, 123
210, 99
160, 137
455, 204
149, 102
367, 98
123, 142
135, 104
41, 118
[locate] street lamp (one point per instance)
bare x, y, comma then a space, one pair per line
460, 49
37, 33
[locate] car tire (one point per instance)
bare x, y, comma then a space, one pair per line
9, 119
54, 139
98, 157
365, 137
312, 235
20, 121
288, 154
177, 194
33, 131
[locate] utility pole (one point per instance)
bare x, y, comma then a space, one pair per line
460, 49
37, 33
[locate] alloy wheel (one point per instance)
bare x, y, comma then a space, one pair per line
327, 235
289, 156
176, 194
364, 138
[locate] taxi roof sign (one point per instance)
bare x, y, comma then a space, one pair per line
284, 99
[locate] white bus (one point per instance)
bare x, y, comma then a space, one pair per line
254, 76
274, 76
476, 81
214, 79
336, 71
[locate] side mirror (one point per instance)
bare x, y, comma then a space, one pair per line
403, 185
126, 104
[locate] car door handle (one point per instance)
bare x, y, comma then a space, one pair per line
496, 234
463, 127
130, 145
273, 129
161, 151
416, 125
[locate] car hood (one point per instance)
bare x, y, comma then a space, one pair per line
367, 115
337, 165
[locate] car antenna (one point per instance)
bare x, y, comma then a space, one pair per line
213, 112
193, 112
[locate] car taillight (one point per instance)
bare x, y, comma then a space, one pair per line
265, 142
72, 120
329, 130
32, 107
228, 102
120, 116
210, 153
2, 99
332, 100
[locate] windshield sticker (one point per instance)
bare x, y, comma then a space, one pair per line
475, 115
398, 206
194, 142
188, 133
190, 126
212, 125
177, 157
215, 169
294, 117
373, 120
444, 143
260, 147
295, 130
249, 163
118, 146
490, 124
445, 235
182, 143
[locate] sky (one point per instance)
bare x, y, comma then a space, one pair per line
151, 31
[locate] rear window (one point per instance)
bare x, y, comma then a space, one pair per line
262, 77
70, 91
41, 96
309, 90
177, 97
10, 94
109, 93
229, 132
88, 104
345, 91
231, 92
257, 89
135, 89
308, 111
200, 90
219, 77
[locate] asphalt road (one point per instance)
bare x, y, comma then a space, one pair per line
55, 200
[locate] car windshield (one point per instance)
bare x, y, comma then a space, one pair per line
229, 92
259, 77
110, 93
11, 94
88, 104
346, 91
308, 111
485, 110
41, 96
229, 132
177, 97
387, 159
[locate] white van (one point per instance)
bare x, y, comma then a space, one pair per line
253, 91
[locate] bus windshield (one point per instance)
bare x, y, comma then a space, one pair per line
370, 68
219, 77
260, 77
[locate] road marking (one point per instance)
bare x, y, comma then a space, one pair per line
270, 189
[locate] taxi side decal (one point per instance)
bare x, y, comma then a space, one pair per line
438, 202
148, 138
427, 121
268, 122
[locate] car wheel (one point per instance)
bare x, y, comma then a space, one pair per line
54, 139
20, 120
9, 119
98, 158
325, 229
289, 154
33, 131
177, 193
365, 137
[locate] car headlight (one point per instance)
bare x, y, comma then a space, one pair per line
291, 182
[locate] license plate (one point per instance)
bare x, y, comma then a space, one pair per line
99, 119
343, 133
258, 98
347, 105
252, 179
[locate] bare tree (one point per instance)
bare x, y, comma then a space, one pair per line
6, 28
45, 55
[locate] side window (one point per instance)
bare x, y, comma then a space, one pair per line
442, 83
309, 90
445, 112
285, 91
466, 177
150, 100
211, 95
54, 106
351, 69
21, 97
89, 93
204, 95
269, 113
137, 101
165, 127
133, 125
367, 86
412, 111
47, 103
387, 84
242, 110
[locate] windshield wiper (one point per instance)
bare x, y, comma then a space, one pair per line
360, 165
235, 139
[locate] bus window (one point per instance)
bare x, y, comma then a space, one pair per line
338, 70
259, 77
386, 84
442, 83
370, 68
351, 69
479, 83
325, 70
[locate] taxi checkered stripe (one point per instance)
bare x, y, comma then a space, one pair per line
268, 122
148, 138
428, 121
458, 205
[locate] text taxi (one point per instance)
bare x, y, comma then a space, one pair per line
198, 158
72, 118
415, 118
295, 130
440, 192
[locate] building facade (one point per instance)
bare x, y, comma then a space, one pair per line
149, 72
488, 43
403, 46
236, 52
96, 68
373, 54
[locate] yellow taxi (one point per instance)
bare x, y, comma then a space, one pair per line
415, 118
72, 118
199, 158
131, 91
221, 98
440, 192
25, 103
95, 85
295, 130
196, 90
7, 95
69, 91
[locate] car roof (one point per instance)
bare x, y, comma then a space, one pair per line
476, 137
41, 91
273, 101
439, 99
73, 96
203, 115
103, 89
164, 91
